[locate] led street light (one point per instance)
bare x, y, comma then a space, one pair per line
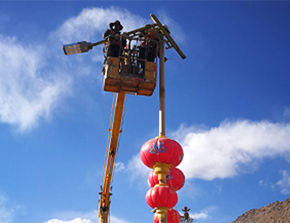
79, 47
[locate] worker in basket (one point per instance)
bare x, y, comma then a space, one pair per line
114, 44
148, 47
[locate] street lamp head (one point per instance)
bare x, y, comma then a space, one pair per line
79, 47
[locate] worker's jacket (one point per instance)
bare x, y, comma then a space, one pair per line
150, 39
114, 38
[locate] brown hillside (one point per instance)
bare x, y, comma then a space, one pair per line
277, 212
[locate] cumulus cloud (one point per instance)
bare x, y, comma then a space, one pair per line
90, 24
75, 217
76, 220
25, 95
135, 163
203, 214
117, 220
82, 217
82, 220
199, 216
225, 151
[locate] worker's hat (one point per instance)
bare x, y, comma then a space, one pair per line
117, 22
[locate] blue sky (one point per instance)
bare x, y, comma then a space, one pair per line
227, 104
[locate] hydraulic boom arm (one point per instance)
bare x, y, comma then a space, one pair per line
104, 202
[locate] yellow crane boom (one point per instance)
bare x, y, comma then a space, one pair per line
104, 202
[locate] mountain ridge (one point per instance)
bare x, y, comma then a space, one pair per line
276, 212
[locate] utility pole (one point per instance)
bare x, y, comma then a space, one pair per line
161, 90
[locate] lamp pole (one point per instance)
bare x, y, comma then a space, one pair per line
161, 90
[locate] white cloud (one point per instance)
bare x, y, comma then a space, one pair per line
75, 217
137, 168
82, 220
117, 220
284, 183
203, 214
6, 214
25, 95
76, 220
82, 217
90, 24
119, 167
226, 150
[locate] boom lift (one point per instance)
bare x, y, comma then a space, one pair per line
122, 75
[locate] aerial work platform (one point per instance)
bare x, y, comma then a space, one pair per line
120, 76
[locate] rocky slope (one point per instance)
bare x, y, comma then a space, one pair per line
277, 212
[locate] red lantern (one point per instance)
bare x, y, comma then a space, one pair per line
172, 217
174, 179
161, 196
161, 150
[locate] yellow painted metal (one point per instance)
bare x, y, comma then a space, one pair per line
112, 67
161, 136
115, 81
161, 169
150, 71
162, 213
104, 202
